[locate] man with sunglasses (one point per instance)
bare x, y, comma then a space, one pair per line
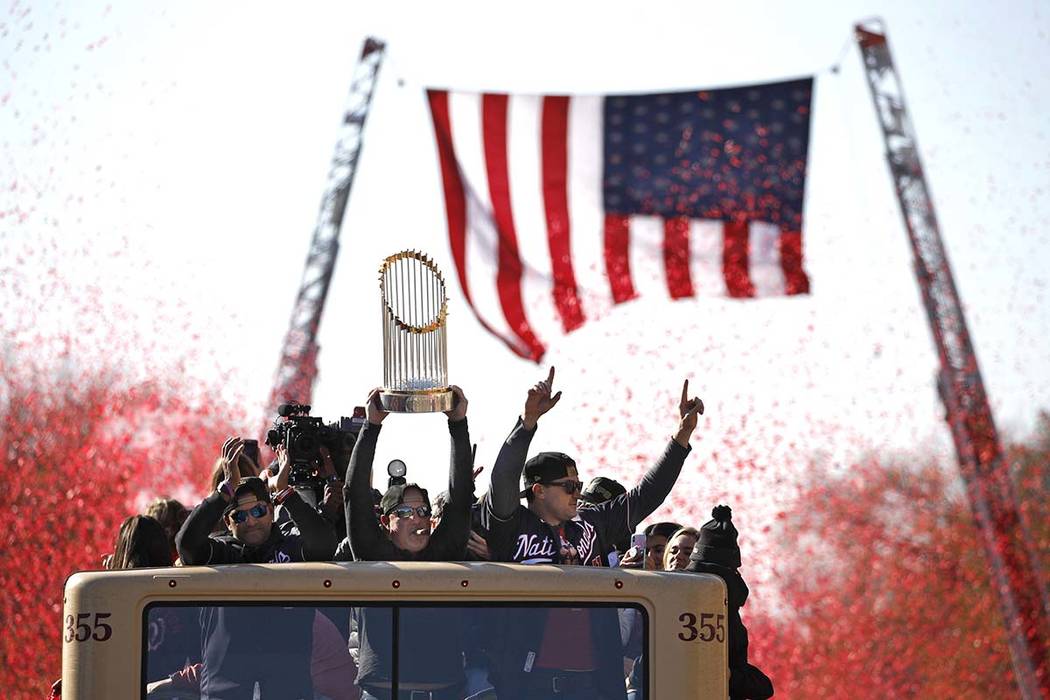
246, 506
568, 653
235, 640
430, 657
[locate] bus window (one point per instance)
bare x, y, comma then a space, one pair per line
258, 651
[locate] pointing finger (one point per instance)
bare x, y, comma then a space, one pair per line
685, 392
550, 376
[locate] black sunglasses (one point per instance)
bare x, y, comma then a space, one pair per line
256, 511
570, 487
404, 511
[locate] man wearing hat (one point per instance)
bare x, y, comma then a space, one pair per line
546, 529
431, 657
237, 640
246, 506
565, 652
716, 552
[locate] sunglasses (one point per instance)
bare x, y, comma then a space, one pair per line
256, 511
407, 511
570, 487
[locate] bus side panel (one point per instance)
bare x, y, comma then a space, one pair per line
101, 641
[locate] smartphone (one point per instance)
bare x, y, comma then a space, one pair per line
251, 451
638, 541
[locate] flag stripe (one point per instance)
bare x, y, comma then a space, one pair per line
676, 257
585, 205
482, 240
734, 259
795, 279
455, 200
617, 259
763, 259
555, 148
508, 276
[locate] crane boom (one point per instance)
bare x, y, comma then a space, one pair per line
297, 367
1022, 595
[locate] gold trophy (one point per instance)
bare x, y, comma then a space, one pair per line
415, 358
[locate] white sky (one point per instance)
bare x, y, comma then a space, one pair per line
167, 162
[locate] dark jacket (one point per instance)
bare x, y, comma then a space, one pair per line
433, 651
313, 539
516, 534
746, 682
369, 542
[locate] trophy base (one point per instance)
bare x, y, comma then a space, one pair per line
430, 401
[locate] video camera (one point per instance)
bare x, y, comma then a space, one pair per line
303, 436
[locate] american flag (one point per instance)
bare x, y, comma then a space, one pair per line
560, 207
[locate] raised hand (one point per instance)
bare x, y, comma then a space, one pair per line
539, 401
688, 409
459, 404
374, 408
284, 469
232, 450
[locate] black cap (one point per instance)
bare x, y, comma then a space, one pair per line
251, 485
601, 489
545, 468
717, 543
395, 496
665, 529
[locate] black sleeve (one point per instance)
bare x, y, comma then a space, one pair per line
366, 536
502, 504
318, 536
622, 514
450, 537
503, 496
193, 540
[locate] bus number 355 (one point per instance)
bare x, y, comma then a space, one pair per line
711, 628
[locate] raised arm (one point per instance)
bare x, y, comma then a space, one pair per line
453, 531
193, 540
361, 521
506, 472
636, 505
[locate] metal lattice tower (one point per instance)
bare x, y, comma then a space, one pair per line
1022, 593
298, 364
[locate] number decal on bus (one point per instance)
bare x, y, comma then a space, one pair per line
78, 629
707, 631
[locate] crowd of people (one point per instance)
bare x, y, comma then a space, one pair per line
535, 511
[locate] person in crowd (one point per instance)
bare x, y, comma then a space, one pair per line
716, 552
679, 548
546, 530
601, 489
141, 542
245, 505
430, 653
171, 514
237, 641
656, 536
568, 652
597, 491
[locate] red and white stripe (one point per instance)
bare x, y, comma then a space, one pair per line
535, 254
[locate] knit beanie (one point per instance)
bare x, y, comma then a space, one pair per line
717, 543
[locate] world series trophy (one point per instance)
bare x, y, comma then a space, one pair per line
415, 358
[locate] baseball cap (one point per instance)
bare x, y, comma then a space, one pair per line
544, 468
395, 496
253, 486
601, 489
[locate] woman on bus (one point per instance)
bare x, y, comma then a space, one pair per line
679, 547
141, 542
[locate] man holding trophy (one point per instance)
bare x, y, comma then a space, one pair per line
415, 381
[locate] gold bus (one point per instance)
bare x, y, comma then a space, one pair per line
116, 623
